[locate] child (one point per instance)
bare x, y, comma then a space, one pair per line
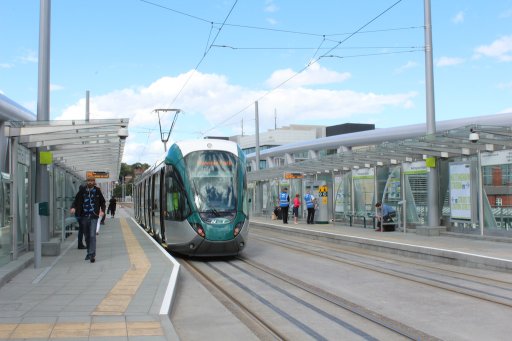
296, 204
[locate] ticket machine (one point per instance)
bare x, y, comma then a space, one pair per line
320, 191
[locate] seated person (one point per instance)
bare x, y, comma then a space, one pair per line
384, 217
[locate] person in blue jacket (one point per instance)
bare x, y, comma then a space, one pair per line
284, 203
385, 214
310, 205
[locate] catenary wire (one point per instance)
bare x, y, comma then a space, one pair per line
306, 67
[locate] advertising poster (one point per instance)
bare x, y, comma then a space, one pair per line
460, 191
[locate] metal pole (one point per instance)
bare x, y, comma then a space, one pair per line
43, 112
433, 176
256, 115
404, 207
87, 114
480, 194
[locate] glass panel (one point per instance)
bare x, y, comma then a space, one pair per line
5, 219
23, 193
213, 177
175, 199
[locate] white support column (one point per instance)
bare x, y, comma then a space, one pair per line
270, 162
14, 196
313, 154
342, 149
288, 159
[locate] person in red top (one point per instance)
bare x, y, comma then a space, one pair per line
296, 204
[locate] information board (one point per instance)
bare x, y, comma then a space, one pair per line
460, 191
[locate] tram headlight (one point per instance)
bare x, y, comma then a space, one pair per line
238, 228
199, 229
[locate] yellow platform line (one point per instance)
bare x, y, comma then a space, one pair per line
121, 295
13, 331
115, 303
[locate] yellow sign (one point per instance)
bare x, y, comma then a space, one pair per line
293, 175
45, 158
97, 175
430, 162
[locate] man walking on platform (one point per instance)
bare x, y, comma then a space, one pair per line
284, 203
89, 206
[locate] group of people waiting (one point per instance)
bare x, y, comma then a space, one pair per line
385, 213
284, 204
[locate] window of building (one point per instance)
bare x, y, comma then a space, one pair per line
499, 201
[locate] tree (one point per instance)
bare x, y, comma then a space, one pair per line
127, 177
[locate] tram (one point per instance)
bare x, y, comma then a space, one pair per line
193, 201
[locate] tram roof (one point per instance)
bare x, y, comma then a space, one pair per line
77, 146
443, 144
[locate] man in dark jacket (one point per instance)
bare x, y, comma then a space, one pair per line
89, 206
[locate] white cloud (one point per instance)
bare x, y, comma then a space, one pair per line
270, 6
272, 21
449, 61
505, 111
5, 66
213, 106
29, 57
314, 75
56, 87
501, 49
407, 66
458, 18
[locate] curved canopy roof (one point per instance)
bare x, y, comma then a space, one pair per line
444, 144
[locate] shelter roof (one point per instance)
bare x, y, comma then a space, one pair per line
77, 146
451, 143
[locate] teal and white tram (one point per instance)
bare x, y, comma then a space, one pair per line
193, 202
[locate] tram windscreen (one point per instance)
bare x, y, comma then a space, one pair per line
213, 177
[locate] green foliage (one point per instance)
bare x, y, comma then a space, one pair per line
127, 173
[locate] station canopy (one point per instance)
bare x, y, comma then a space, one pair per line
446, 144
77, 146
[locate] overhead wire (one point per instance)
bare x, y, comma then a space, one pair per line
207, 49
316, 48
325, 37
307, 66
275, 29
205, 54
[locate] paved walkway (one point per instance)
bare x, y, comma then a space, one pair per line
121, 295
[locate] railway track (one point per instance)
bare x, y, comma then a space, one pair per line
277, 306
290, 287
446, 278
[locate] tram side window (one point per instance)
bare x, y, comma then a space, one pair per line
176, 203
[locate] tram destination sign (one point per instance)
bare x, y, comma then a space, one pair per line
97, 175
293, 175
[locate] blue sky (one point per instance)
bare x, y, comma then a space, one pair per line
324, 62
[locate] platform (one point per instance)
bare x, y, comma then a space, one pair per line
491, 253
121, 295
127, 293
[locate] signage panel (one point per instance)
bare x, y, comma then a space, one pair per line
97, 175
